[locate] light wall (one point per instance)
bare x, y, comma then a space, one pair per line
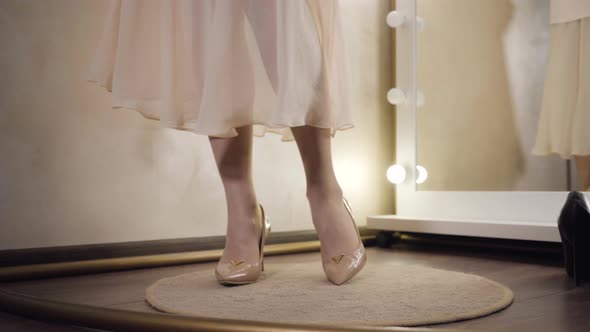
74, 171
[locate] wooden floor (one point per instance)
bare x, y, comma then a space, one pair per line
545, 299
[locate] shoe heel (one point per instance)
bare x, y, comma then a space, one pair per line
568, 229
579, 230
266, 234
251, 273
576, 266
568, 258
266, 231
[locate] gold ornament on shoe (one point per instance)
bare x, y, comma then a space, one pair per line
337, 259
234, 263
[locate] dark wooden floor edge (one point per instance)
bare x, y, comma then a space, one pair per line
93, 266
109, 319
473, 246
529, 246
47, 255
122, 320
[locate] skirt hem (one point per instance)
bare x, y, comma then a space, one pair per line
189, 126
563, 155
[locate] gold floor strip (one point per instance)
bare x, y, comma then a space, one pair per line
37, 271
110, 319
125, 320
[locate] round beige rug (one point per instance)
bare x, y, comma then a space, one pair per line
391, 294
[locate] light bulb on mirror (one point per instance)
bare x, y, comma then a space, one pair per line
396, 174
422, 174
396, 96
395, 19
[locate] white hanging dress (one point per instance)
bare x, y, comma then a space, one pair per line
564, 123
209, 66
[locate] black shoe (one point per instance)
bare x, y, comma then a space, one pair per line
574, 229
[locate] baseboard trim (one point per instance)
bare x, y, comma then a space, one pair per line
47, 255
480, 243
92, 266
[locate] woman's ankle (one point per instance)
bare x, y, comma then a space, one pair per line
333, 192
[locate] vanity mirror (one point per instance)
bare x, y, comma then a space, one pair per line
482, 65
468, 96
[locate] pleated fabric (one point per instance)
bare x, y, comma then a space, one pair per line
209, 66
564, 123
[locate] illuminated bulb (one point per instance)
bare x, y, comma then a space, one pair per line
422, 174
395, 19
396, 96
396, 174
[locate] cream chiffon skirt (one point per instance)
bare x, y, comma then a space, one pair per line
209, 66
564, 124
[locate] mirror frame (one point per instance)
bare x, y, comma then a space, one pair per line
498, 214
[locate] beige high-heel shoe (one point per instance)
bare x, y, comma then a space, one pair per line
343, 267
236, 271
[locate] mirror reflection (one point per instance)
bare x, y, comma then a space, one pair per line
507, 100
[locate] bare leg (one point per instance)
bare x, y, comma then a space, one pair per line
233, 157
330, 218
583, 169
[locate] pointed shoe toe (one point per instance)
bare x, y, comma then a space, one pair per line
341, 268
228, 273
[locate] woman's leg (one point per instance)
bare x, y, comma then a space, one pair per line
583, 169
233, 157
330, 217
